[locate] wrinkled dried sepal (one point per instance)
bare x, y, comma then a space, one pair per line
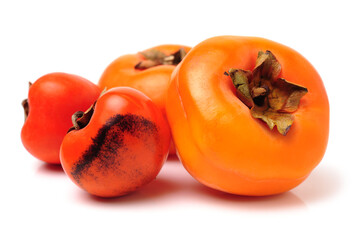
266, 67
285, 96
282, 121
146, 64
153, 54
240, 79
155, 57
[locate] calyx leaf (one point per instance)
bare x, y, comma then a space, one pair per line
25, 105
240, 80
270, 98
155, 57
81, 119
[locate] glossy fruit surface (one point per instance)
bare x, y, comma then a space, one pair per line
118, 145
51, 102
218, 140
152, 80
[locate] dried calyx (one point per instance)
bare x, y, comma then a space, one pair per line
25, 105
81, 119
269, 98
155, 57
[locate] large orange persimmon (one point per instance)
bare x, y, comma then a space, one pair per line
249, 116
148, 71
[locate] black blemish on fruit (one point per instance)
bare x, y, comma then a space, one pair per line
108, 144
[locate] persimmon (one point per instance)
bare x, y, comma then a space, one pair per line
148, 71
249, 116
52, 100
118, 145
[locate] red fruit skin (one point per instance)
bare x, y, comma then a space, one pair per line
122, 148
52, 100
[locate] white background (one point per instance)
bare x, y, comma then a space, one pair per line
82, 37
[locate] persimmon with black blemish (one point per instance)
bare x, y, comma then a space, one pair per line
117, 145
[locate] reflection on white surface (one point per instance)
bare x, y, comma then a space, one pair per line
174, 186
323, 183
49, 170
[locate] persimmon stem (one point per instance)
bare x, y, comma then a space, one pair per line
74, 119
25, 105
81, 119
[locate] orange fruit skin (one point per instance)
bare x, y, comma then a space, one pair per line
220, 143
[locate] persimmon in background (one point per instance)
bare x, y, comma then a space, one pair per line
248, 116
148, 71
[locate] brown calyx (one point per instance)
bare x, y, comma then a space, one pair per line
155, 57
269, 98
81, 119
25, 105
